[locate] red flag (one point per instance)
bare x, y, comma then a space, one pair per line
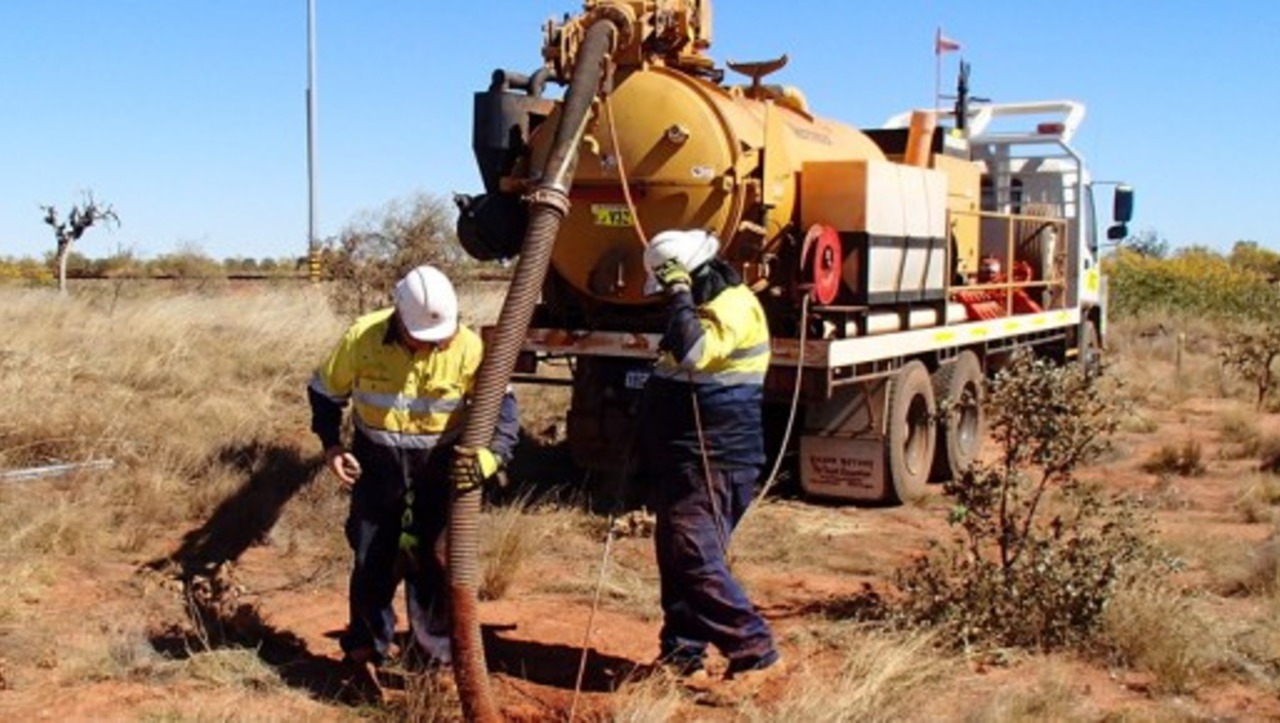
943, 44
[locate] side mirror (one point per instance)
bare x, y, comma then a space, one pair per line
1118, 232
1122, 209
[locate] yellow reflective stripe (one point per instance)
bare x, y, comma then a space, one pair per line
735, 334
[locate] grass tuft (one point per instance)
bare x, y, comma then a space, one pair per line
513, 533
882, 677
1151, 627
1184, 460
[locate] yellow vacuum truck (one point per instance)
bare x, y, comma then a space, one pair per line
898, 265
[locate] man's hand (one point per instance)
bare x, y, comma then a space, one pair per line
343, 464
472, 467
673, 275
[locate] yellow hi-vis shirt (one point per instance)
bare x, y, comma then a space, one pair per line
733, 347
400, 398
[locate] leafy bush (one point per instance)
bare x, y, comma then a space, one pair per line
1249, 352
188, 262
1250, 255
27, 270
373, 252
1192, 282
1038, 553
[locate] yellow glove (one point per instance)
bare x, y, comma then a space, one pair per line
472, 467
671, 273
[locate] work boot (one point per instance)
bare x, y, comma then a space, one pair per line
685, 669
745, 679
751, 665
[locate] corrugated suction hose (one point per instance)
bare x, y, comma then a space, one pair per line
548, 206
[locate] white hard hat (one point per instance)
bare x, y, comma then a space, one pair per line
427, 304
691, 248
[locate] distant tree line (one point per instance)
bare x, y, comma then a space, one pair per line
1146, 277
191, 264
361, 263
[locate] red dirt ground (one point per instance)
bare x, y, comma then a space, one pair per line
533, 640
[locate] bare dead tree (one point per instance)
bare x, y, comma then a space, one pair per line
83, 216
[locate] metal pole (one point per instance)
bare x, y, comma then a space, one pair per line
313, 257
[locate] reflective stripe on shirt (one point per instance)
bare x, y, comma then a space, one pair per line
713, 378
317, 385
422, 405
405, 440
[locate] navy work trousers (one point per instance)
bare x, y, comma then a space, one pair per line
701, 601
373, 530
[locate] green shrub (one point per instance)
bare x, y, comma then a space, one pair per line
1192, 282
379, 247
1038, 553
1250, 352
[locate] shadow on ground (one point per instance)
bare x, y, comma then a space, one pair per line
217, 617
275, 474
218, 625
552, 665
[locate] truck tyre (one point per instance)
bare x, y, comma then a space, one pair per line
909, 438
960, 431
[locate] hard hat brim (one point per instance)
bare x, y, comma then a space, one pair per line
436, 332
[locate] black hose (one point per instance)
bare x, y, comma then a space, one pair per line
548, 206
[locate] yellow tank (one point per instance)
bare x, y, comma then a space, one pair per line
694, 155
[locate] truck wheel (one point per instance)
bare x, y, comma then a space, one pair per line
910, 438
960, 431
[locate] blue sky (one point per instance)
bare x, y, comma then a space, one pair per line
189, 115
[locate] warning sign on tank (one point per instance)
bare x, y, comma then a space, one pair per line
608, 214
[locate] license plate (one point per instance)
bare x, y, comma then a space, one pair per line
611, 215
636, 378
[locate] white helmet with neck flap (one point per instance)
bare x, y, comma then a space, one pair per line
691, 248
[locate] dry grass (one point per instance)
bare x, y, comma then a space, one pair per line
1145, 354
427, 698
191, 393
1134, 423
233, 668
1259, 647
121, 652
1262, 571
513, 534
655, 699
630, 582
1183, 460
161, 385
25, 583
575, 546
1051, 699
786, 535
881, 677
1151, 627
1260, 497
1239, 426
